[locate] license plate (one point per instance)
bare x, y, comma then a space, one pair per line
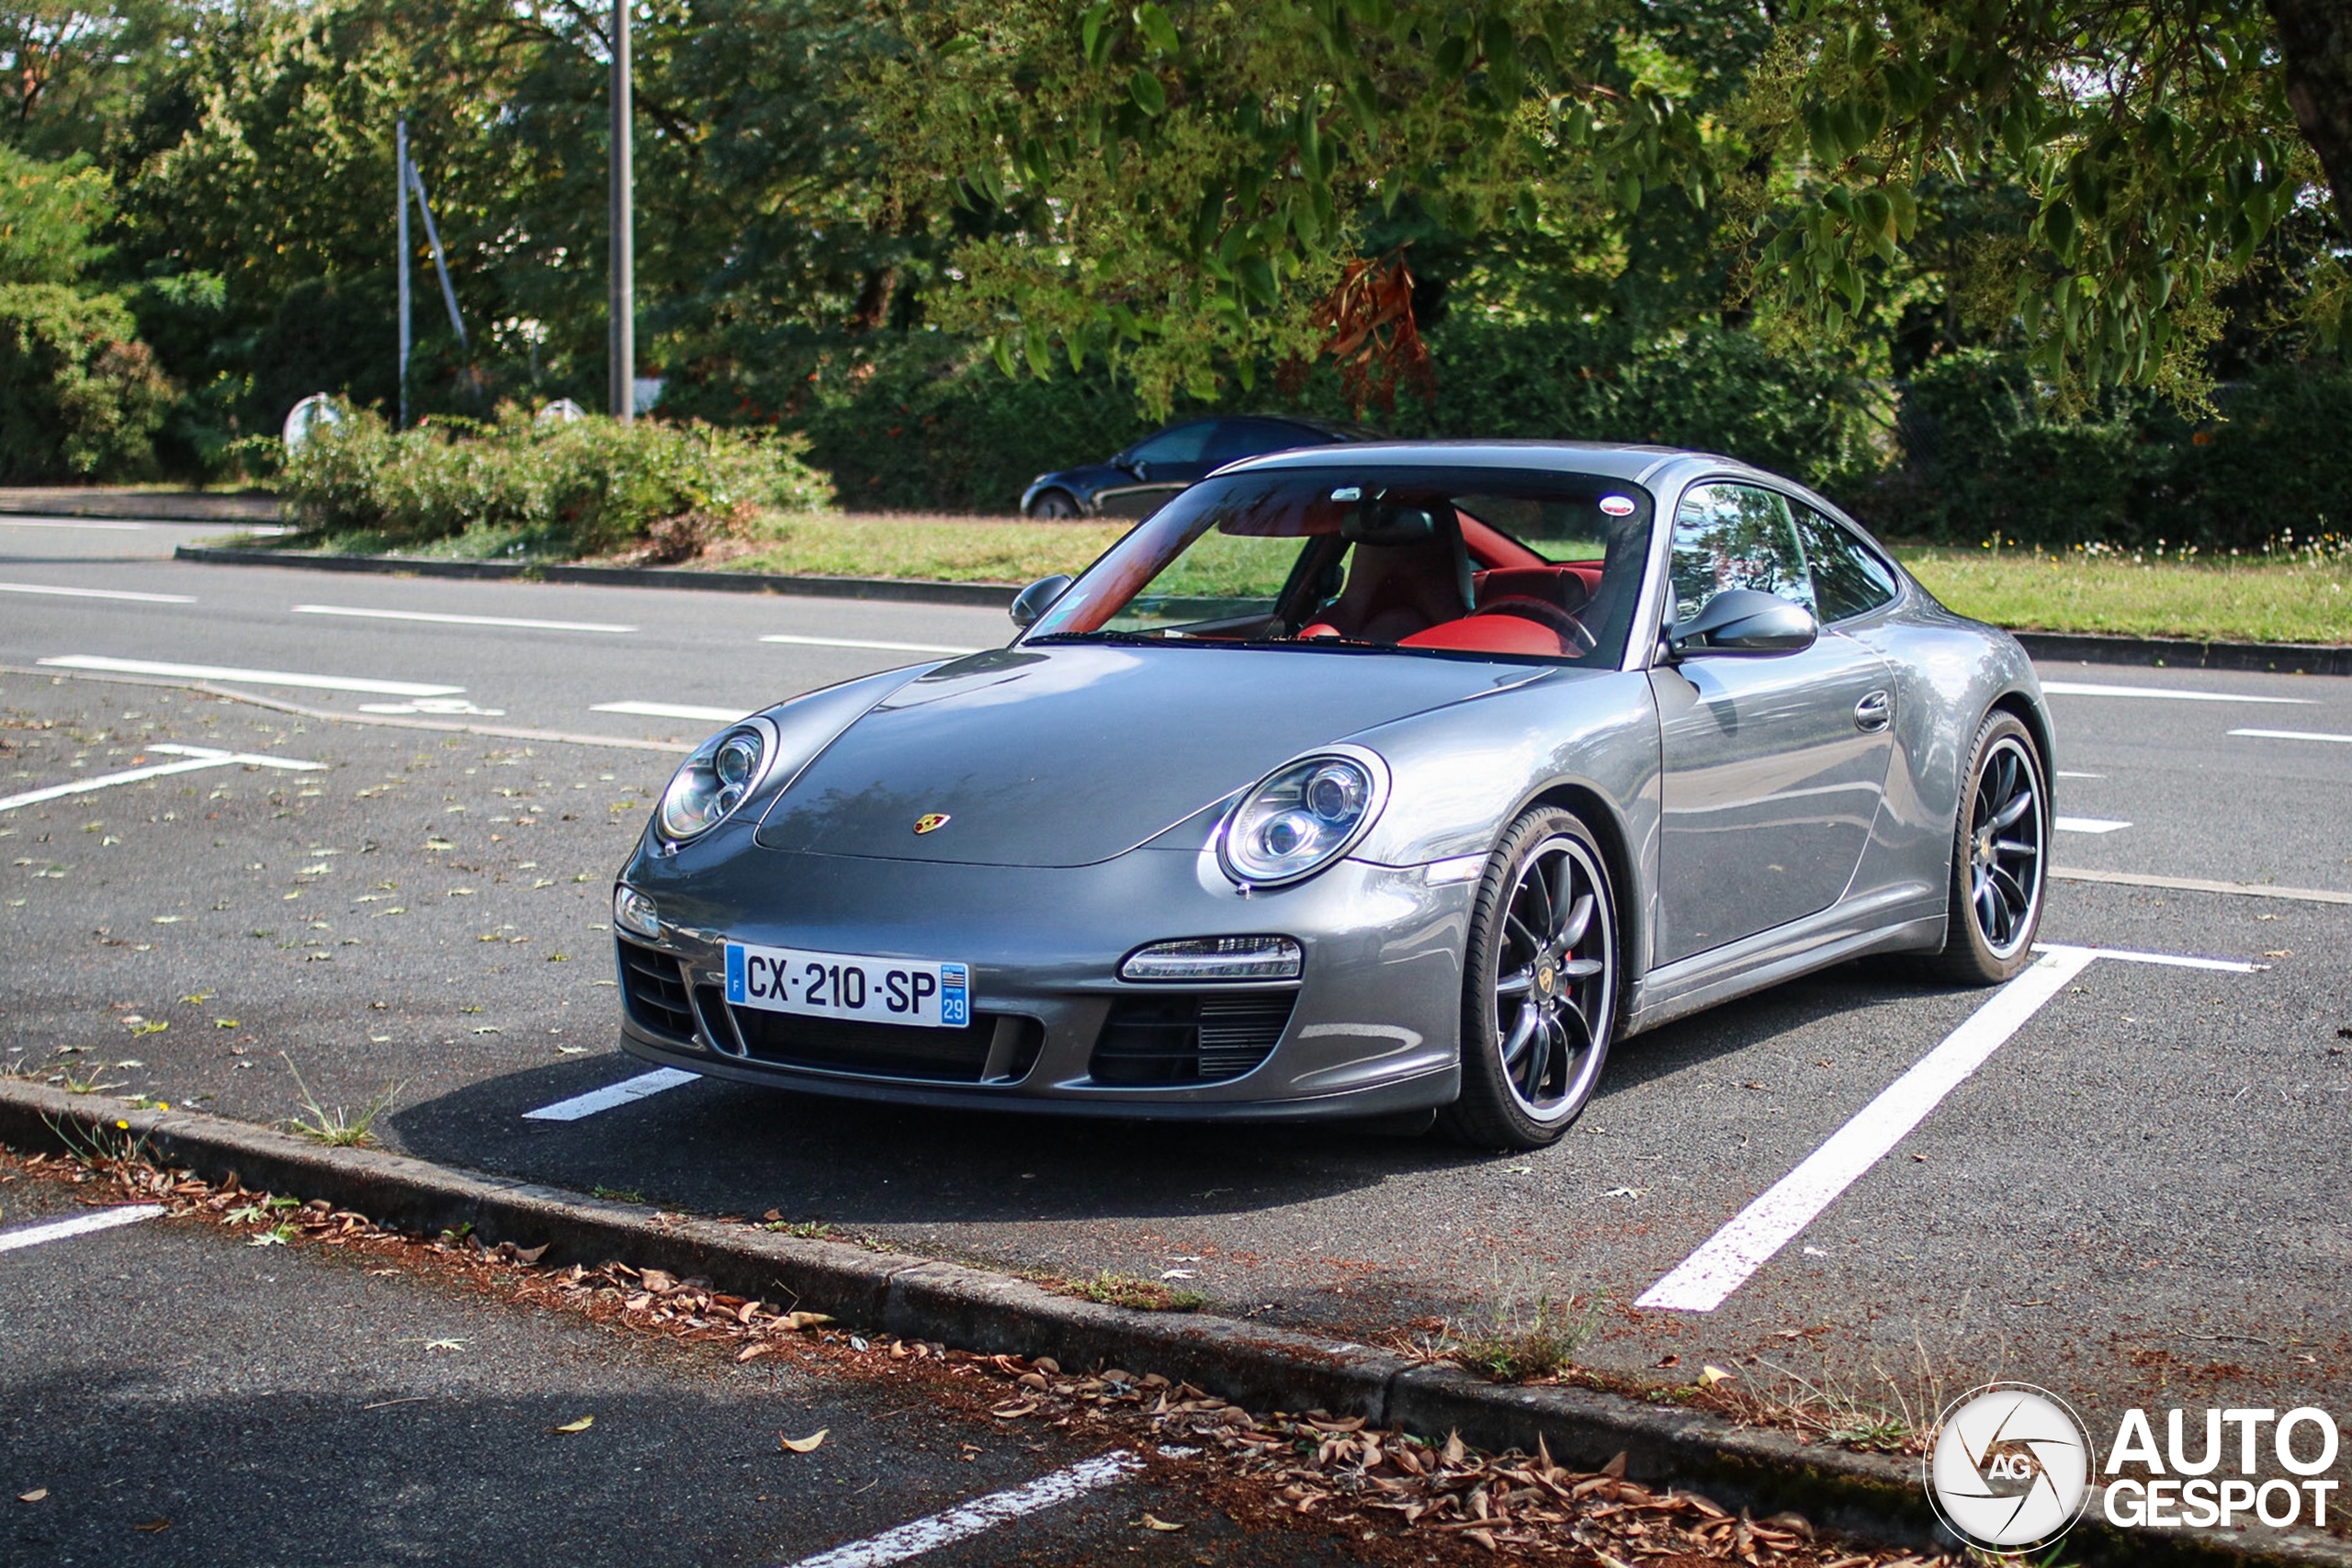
842, 984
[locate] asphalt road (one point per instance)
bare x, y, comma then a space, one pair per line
2137, 1198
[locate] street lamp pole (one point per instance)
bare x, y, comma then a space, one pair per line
623, 355
400, 144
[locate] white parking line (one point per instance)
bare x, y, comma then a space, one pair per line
72, 523
968, 1519
250, 677
2169, 960
2089, 825
1724, 1262
461, 620
628, 1091
97, 593
859, 642
2199, 885
81, 1224
673, 710
2293, 735
2064, 775
2091, 689
199, 758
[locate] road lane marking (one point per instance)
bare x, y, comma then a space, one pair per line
1724, 1262
251, 677
2091, 689
2199, 885
626, 1092
2064, 775
2293, 735
81, 1224
198, 759
72, 523
2089, 825
980, 1515
673, 710
97, 593
461, 620
859, 642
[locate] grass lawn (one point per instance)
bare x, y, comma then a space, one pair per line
2261, 599
2257, 600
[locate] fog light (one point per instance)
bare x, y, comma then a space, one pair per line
633, 912
1215, 958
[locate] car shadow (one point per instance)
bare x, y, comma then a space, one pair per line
720, 1147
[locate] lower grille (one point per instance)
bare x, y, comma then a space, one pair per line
654, 992
886, 1050
1190, 1039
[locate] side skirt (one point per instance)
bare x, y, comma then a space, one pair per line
1900, 924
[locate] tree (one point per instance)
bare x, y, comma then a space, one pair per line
1179, 185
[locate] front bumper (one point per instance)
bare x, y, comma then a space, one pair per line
1371, 1027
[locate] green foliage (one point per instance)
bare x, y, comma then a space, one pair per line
48, 214
1991, 454
588, 488
80, 396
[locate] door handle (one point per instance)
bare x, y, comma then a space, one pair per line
1875, 711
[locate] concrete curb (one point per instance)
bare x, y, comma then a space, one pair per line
1868, 1496
2282, 657
993, 596
142, 506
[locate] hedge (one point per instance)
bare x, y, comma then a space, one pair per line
80, 396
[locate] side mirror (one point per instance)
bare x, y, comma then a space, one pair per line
1745, 621
1033, 600
1138, 467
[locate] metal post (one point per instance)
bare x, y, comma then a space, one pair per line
400, 147
623, 362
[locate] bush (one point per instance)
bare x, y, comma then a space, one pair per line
1985, 457
926, 423
81, 397
587, 488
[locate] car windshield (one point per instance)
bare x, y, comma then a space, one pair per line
1498, 563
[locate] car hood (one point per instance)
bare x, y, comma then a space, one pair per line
1069, 754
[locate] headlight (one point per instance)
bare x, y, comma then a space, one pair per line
718, 777
1302, 818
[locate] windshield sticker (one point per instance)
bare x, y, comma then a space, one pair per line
1617, 505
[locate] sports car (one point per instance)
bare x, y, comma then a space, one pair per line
1398, 780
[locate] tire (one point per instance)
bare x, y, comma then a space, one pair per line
1054, 506
2000, 856
1535, 1034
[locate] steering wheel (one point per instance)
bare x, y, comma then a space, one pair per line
1546, 614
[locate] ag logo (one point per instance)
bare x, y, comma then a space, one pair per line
2010, 1471
930, 822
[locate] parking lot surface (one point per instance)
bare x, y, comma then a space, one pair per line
2133, 1196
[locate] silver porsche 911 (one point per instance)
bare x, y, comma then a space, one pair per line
1356, 781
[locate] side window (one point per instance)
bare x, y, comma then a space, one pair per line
1181, 444
1847, 580
1238, 438
1731, 536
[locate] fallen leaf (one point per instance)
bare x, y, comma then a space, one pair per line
226, 1023
569, 1426
35, 1496
153, 1527
756, 1348
1151, 1523
1711, 1374
806, 1444
797, 1321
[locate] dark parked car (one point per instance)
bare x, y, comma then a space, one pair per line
1139, 480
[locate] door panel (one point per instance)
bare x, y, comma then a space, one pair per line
1773, 766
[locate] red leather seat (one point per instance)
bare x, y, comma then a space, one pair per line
1493, 634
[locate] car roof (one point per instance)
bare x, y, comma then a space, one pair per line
1610, 459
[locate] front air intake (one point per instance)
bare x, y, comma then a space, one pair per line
1202, 1038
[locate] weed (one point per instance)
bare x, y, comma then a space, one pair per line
619, 1194
89, 1077
338, 1127
807, 1230
1128, 1291
1880, 1413
260, 1210
1524, 1344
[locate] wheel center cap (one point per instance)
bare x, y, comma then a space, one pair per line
1547, 978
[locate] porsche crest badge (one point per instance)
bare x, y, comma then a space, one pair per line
930, 822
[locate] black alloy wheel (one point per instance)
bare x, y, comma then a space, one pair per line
2000, 850
1540, 988
1054, 506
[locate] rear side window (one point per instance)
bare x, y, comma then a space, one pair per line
1181, 444
1238, 438
1848, 579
